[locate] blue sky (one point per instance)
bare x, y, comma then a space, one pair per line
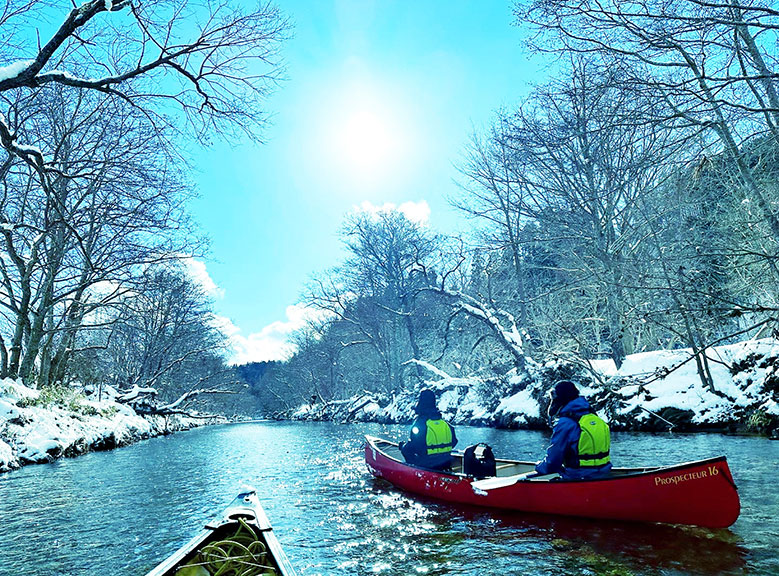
378, 106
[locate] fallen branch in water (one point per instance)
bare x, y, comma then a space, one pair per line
143, 401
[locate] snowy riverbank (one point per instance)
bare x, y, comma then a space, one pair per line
650, 391
36, 429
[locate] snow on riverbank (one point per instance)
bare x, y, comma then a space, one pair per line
35, 430
650, 390
744, 394
745, 379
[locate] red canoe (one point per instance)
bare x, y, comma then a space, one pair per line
699, 493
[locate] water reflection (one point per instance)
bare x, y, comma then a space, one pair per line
467, 539
686, 549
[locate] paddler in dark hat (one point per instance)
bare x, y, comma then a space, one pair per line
432, 437
580, 439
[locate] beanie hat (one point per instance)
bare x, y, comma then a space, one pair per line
426, 402
562, 393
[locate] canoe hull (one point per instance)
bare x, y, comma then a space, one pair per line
697, 493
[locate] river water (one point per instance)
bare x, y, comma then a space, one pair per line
119, 513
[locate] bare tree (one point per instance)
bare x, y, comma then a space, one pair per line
569, 167
389, 253
164, 335
120, 207
91, 136
212, 63
494, 192
711, 65
370, 299
709, 71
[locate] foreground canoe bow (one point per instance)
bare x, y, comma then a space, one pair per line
697, 493
239, 541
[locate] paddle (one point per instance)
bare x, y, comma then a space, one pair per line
500, 482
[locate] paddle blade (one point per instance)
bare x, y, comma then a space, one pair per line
497, 482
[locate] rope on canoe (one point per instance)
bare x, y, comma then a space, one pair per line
242, 554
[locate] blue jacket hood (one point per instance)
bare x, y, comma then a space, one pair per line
576, 408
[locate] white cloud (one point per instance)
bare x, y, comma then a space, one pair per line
418, 212
270, 343
197, 271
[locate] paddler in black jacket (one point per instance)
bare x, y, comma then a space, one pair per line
432, 437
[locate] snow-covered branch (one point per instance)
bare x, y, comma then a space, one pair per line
177, 405
510, 337
429, 367
135, 393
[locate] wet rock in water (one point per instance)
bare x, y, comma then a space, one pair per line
78, 447
562, 545
106, 442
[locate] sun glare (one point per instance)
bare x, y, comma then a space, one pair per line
365, 137
366, 142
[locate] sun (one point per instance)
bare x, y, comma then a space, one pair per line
366, 140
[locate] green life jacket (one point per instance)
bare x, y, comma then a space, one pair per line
438, 437
594, 442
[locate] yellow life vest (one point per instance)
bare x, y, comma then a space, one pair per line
438, 437
594, 441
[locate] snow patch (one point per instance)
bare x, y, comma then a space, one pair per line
14, 69
521, 403
8, 411
743, 375
14, 391
35, 433
7, 459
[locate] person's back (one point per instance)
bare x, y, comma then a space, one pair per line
431, 438
581, 442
